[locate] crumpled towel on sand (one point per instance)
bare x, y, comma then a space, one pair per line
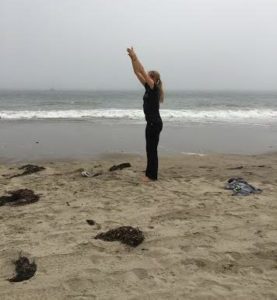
241, 187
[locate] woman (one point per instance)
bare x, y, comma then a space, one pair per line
152, 98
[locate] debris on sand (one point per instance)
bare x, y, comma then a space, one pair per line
91, 222
235, 168
28, 169
120, 166
124, 234
241, 187
24, 269
89, 174
19, 197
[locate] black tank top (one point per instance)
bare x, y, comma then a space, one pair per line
151, 104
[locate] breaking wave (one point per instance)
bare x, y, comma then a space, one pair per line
181, 116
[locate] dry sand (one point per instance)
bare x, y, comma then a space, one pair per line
200, 242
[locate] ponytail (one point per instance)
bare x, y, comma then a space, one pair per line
161, 90
156, 76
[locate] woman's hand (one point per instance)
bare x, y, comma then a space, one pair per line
131, 52
141, 74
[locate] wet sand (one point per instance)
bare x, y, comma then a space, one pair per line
200, 241
60, 140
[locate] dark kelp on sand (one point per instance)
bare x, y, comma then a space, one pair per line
91, 222
19, 197
27, 169
24, 269
124, 234
120, 167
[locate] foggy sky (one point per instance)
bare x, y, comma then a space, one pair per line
81, 44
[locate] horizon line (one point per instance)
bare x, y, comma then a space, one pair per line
138, 89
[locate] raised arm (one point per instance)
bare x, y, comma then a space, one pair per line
139, 70
137, 73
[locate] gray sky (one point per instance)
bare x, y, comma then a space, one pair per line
195, 44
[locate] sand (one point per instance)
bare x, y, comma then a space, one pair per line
200, 241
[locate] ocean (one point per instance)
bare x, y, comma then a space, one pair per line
179, 109
52, 124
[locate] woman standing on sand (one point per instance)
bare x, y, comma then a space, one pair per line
152, 98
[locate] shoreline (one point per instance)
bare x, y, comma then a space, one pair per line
33, 141
114, 156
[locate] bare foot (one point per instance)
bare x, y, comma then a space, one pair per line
146, 179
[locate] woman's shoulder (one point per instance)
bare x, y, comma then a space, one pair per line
147, 87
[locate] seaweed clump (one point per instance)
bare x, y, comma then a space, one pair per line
120, 167
124, 234
24, 269
19, 197
27, 169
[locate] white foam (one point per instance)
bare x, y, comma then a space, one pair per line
193, 154
73, 114
263, 116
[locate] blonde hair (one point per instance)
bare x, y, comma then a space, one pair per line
157, 79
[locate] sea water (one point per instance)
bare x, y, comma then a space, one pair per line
179, 108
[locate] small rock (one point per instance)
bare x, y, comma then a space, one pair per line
91, 222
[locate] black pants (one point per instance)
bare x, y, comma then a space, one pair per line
152, 135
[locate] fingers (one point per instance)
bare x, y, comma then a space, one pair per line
131, 50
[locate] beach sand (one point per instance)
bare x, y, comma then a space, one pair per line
200, 241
